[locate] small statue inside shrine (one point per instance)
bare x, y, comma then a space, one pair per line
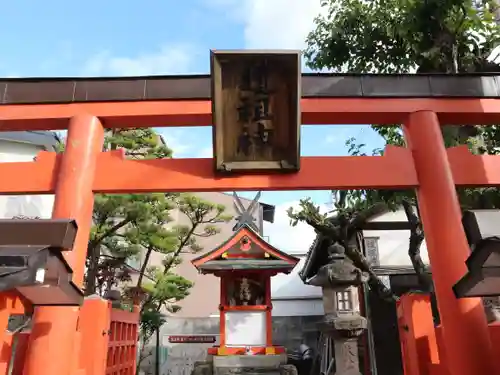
246, 291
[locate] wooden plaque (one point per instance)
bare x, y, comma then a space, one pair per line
256, 110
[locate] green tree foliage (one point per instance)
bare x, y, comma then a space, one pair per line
405, 36
137, 143
400, 36
201, 217
116, 236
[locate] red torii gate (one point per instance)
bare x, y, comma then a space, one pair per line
425, 164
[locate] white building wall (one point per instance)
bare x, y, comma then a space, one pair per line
291, 297
27, 205
299, 307
393, 245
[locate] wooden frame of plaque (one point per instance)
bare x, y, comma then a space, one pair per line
256, 110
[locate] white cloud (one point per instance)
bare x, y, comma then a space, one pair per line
206, 152
173, 59
177, 141
334, 138
276, 24
279, 23
293, 240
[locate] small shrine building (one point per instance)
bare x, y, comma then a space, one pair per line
245, 264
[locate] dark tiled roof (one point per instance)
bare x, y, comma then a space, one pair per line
315, 85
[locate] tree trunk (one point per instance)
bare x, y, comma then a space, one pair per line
94, 252
144, 266
157, 352
142, 356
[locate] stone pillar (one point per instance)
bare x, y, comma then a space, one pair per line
344, 324
346, 357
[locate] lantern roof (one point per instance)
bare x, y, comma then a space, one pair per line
245, 250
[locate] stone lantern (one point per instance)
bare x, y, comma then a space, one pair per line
339, 280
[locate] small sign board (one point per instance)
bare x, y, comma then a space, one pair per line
192, 339
256, 110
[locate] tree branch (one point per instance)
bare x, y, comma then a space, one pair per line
202, 235
111, 230
178, 250
416, 239
417, 236
358, 259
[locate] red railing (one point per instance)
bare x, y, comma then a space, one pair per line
106, 339
122, 347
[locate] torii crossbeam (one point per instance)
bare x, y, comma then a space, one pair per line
421, 103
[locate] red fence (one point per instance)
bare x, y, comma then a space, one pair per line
122, 346
106, 345
421, 342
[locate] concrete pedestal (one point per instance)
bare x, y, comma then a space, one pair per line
245, 364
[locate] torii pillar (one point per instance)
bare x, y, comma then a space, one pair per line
465, 330
54, 340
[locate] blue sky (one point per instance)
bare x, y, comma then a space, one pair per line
103, 38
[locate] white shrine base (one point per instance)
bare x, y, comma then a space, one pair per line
245, 328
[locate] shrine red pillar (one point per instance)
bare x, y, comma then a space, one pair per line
465, 331
54, 330
222, 311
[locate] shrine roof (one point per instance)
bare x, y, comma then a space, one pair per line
245, 250
247, 264
316, 257
193, 87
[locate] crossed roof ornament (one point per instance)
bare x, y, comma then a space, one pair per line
246, 216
